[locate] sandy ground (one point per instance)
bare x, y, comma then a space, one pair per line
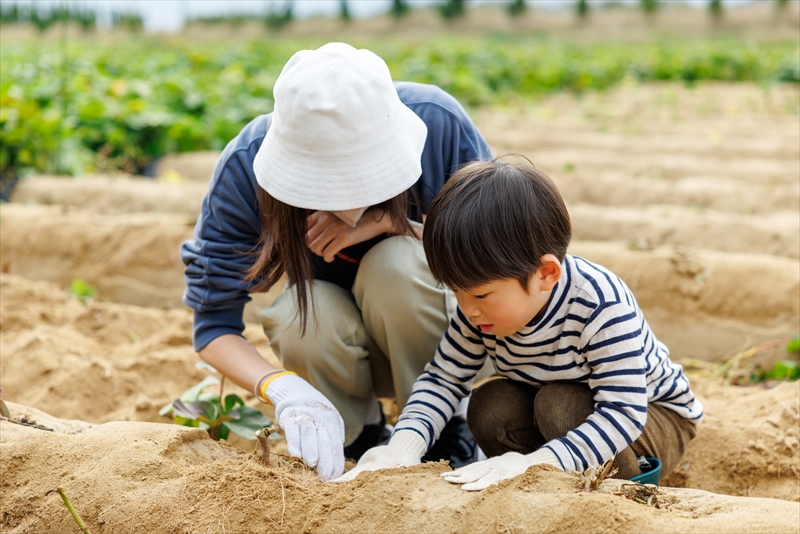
691, 195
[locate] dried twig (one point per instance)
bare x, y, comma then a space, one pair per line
642, 493
592, 477
283, 501
23, 423
263, 439
71, 509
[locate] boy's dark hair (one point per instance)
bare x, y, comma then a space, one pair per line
494, 220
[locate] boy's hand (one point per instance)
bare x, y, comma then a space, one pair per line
481, 475
404, 449
313, 427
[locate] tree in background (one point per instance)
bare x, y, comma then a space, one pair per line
344, 11
276, 20
452, 9
781, 5
715, 7
517, 8
583, 9
399, 8
649, 7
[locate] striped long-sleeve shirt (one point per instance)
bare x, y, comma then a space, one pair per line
593, 332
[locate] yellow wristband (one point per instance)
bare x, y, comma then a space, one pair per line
270, 379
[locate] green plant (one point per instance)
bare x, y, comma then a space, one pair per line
200, 408
276, 19
780, 370
71, 508
715, 8
129, 21
794, 344
649, 6
82, 289
517, 8
97, 106
399, 8
452, 9
582, 8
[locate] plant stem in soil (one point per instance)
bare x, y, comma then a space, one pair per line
71, 509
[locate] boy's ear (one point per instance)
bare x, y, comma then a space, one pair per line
549, 272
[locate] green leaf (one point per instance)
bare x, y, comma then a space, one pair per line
81, 289
794, 344
785, 370
231, 401
192, 394
201, 410
249, 421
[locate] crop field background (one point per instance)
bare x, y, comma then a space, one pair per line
673, 136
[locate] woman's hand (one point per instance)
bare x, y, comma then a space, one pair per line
327, 234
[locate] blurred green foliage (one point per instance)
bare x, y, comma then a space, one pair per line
583, 8
715, 7
516, 8
399, 8
93, 106
452, 9
82, 289
649, 6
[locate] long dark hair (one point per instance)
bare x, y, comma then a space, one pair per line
282, 247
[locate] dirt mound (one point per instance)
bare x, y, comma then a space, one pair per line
146, 477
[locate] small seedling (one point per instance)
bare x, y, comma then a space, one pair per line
794, 344
199, 408
594, 476
71, 509
82, 290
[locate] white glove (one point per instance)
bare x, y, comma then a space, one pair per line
404, 448
313, 427
481, 475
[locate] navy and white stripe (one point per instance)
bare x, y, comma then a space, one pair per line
592, 332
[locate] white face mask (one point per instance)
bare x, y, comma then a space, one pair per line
351, 217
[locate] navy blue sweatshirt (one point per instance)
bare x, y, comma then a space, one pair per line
228, 225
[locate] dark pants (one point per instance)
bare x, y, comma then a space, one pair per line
505, 415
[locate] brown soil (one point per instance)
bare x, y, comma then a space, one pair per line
696, 206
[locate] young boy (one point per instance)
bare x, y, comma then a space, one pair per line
581, 375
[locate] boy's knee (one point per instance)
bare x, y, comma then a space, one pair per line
561, 407
500, 417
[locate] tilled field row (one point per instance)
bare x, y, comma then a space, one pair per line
705, 304
641, 225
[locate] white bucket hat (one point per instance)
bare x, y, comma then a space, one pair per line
340, 138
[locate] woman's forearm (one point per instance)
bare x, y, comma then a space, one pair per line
235, 358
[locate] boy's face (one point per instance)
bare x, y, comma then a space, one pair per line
503, 307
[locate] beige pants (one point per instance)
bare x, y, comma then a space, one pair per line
372, 342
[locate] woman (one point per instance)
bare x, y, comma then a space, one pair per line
330, 189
